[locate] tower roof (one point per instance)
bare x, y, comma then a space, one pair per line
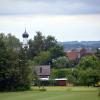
25, 34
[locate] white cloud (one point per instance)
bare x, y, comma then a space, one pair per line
64, 28
51, 7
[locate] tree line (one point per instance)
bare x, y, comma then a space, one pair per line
16, 63
42, 50
46, 50
85, 73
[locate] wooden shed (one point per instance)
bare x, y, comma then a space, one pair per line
61, 81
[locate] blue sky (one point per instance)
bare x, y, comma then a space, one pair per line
65, 19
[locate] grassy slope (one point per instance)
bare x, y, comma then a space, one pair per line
54, 93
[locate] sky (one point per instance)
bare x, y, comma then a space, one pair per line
67, 20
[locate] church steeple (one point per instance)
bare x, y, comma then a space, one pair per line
25, 36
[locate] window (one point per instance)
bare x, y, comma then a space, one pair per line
40, 69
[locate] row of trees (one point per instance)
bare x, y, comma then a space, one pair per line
45, 50
87, 72
42, 50
15, 73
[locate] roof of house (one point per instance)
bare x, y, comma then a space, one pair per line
56, 79
43, 70
60, 79
85, 52
73, 55
44, 79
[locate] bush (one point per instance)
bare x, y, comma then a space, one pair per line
43, 89
39, 89
99, 92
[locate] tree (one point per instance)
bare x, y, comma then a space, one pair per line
89, 62
61, 62
58, 73
14, 71
36, 45
3, 63
12, 42
43, 58
8, 65
50, 42
72, 74
88, 70
41, 43
56, 51
25, 73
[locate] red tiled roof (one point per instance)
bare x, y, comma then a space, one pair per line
72, 55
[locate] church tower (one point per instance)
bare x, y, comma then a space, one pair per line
25, 36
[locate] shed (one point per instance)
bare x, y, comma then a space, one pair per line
61, 81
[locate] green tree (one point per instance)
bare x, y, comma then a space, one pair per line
50, 42
8, 65
12, 42
72, 76
41, 43
14, 71
36, 45
43, 58
88, 71
58, 73
89, 62
56, 51
61, 62
25, 71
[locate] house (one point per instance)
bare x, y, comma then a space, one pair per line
86, 52
78, 53
73, 55
43, 71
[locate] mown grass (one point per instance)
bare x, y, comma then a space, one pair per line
54, 93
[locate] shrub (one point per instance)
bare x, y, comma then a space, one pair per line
43, 89
99, 92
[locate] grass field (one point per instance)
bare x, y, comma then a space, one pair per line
54, 93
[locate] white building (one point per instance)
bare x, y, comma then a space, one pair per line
25, 36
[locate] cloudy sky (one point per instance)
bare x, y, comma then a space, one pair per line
65, 19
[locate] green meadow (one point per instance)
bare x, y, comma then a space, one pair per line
53, 93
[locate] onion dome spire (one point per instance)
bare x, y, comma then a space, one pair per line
25, 34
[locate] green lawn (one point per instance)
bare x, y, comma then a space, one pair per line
54, 93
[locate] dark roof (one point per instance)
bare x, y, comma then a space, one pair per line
45, 70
